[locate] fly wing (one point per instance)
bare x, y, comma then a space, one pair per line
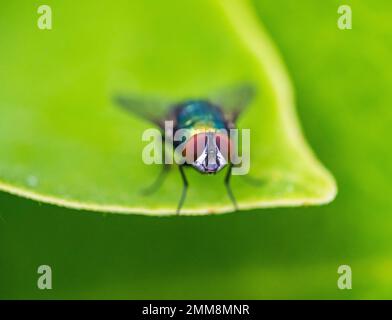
234, 100
149, 108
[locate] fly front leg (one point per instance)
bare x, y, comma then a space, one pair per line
184, 188
228, 187
253, 181
162, 174
158, 181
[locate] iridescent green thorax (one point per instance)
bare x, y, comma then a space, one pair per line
199, 115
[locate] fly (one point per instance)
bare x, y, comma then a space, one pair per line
206, 119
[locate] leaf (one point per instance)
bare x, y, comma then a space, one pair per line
343, 81
63, 141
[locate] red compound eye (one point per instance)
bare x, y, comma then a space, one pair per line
224, 145
198, 142
194, 147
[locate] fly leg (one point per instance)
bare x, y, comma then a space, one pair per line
162, 174
158, 181
228, 187
184, 189
255, 182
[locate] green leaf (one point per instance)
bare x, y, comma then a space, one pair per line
63, 141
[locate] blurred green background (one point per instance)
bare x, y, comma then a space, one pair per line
342, 81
